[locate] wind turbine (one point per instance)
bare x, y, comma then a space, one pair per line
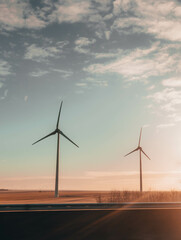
139, 148
59, 132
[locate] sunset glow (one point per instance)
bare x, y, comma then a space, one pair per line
116, 65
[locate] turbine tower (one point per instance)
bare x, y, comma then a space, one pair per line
139, 148
58, 132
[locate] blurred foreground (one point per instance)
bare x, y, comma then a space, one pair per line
142, 224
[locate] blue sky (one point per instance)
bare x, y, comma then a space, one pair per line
116, 65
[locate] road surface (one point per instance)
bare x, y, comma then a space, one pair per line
145, 221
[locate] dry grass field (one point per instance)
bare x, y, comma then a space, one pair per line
136, 196
28, 197
25, 197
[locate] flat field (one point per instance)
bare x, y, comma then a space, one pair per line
28, 197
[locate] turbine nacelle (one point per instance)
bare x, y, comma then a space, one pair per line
139, 147
57, 130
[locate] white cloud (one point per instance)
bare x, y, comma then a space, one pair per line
1, 84
42, 53
159, 18
140, 64
108, 16
38, 54
151, 87
165, 95
21, 14
169, 99
107, 34
71, 11
99, 34
107, 55
38, 73
165, 125
18, 14
120, 6
172, 82
82, 43
5, 94
103, 5
64, 73
81, 50
91, 82
4, 68
150, 106
81, 84
96, 82
25, 98
175, 117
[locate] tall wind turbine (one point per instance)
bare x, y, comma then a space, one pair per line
59, 132
139, 148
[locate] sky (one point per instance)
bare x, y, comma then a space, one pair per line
116, 65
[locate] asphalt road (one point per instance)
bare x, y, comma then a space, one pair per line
126, 221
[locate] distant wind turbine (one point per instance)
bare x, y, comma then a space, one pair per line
141, 151
59, 132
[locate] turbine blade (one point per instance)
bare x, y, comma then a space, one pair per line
67, 138
140, 138
59, 114
145, 154
131, 152
52, 133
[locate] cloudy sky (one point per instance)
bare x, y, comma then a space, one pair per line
116, 64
